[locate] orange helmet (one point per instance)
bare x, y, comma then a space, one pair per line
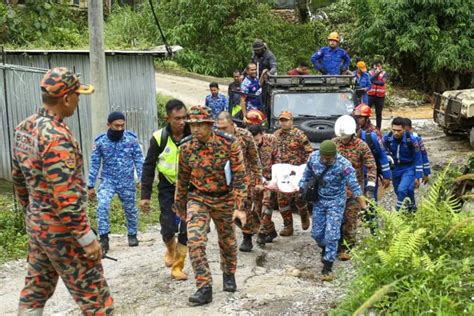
255, 117
363, 110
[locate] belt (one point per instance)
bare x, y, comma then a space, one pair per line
192, 188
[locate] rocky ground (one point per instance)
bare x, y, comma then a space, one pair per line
281, 279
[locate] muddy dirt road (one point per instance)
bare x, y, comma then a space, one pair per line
281, 279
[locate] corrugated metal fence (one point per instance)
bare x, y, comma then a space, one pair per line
132, 90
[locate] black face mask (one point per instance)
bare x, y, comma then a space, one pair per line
114, 136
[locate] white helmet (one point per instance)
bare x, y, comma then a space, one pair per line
345, 126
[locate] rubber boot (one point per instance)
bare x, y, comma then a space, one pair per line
323, 253
132, 241
104, 243
170, 253
272, 235
178, 265
202, 296
229, 282
327, 275
304, 219
246, 245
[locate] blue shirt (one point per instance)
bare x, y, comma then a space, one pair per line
252, 86
405, 153
217, 104
340, 174
363, 82
118, 159
330, 60
379, 153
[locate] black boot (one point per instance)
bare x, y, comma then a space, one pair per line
132, 240
104, 243
229, 282
246, 245
261, 239
323, 253
272, 235
327, 274
202, 296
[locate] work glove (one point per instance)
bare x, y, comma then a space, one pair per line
343, 69
323, 71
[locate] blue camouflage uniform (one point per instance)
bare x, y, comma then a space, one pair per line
408, 162
380, 156
119, 161
328, 211
331, 61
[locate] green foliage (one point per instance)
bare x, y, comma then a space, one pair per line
219, 38
425, 39
160, 107
417, 263
46, 24
14, 240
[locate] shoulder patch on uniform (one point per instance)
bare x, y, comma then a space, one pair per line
100, 136
225, 135
130, 133
185, 140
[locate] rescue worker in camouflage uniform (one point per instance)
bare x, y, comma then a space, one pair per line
268, 153
333, 174
358, 153
47, 173
211, 185
163, 156
119, 154
253, 171
293, 148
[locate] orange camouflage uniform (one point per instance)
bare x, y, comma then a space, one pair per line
268, 153
293, 148
47, 173
359, 154
253, 170
202, 194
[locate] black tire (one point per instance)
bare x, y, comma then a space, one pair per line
448, 132
318, 130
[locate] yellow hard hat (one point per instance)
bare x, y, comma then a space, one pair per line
334, 36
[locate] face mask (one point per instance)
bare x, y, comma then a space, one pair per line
114, 136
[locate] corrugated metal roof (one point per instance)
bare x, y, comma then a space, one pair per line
131, 81
155, 51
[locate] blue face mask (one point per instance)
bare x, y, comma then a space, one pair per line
114, 136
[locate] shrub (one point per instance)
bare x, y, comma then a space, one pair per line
417, 263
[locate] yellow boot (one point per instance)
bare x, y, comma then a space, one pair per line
170, 254
177, 268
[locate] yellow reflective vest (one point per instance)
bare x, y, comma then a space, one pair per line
168, 159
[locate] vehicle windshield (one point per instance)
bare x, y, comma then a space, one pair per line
314, 104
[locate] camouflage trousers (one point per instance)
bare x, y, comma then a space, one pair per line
284, 203
326, 224
83, 278
253, 218
200, 210
263, 208
349, 225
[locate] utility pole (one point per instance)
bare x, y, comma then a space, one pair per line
98, 71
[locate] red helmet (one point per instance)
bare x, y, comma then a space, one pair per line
255, 117
363, 110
